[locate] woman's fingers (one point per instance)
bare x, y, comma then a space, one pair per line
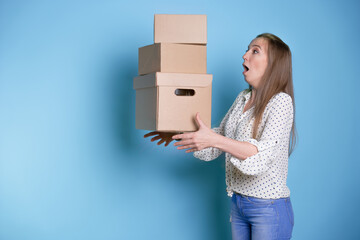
178, 136
186, 147
183, 142
183, 136
191, 150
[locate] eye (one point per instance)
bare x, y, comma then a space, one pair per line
255, 51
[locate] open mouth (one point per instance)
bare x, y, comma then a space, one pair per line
245, 68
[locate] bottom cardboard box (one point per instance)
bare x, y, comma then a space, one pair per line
169, 101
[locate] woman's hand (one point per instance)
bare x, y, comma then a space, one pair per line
204, 137
163, 136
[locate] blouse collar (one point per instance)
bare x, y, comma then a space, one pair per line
247, 96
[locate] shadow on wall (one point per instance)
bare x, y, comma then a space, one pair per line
209, 179
123, 69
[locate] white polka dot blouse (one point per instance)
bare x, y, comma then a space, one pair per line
264, 174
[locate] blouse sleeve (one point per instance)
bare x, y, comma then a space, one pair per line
212, 153
274, 137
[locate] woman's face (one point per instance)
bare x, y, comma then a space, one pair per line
255, 61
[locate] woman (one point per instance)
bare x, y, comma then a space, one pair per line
255, 135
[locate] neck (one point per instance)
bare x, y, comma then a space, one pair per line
253, 93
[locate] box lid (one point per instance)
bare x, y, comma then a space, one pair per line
172, 79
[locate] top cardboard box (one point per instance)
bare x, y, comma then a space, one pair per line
176, 28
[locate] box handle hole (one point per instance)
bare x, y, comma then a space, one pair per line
184, 92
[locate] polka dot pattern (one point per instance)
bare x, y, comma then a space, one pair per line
264, 174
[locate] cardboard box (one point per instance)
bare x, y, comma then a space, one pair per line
169, 101
171, 57
174, 28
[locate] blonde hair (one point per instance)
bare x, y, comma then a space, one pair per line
277, 78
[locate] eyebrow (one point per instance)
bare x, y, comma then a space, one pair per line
254, 46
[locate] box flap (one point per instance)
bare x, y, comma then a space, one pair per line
183, 79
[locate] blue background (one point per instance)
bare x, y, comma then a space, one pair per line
73, 166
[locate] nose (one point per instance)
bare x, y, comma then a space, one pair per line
245, 56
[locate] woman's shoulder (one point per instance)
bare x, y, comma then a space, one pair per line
280, 100
281, 97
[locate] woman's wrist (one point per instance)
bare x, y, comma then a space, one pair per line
216, 140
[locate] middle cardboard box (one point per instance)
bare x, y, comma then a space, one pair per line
169, 101
172, 58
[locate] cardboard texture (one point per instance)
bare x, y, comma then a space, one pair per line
170, 57
173, 28
169, 101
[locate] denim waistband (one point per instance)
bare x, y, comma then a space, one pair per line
274, 199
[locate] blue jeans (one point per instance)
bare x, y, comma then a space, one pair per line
261, 219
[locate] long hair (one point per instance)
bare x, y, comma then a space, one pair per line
277, 78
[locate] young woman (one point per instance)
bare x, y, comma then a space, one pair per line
257, 135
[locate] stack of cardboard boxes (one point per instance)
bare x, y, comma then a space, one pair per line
173, 85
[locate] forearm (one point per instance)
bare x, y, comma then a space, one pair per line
238, 149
